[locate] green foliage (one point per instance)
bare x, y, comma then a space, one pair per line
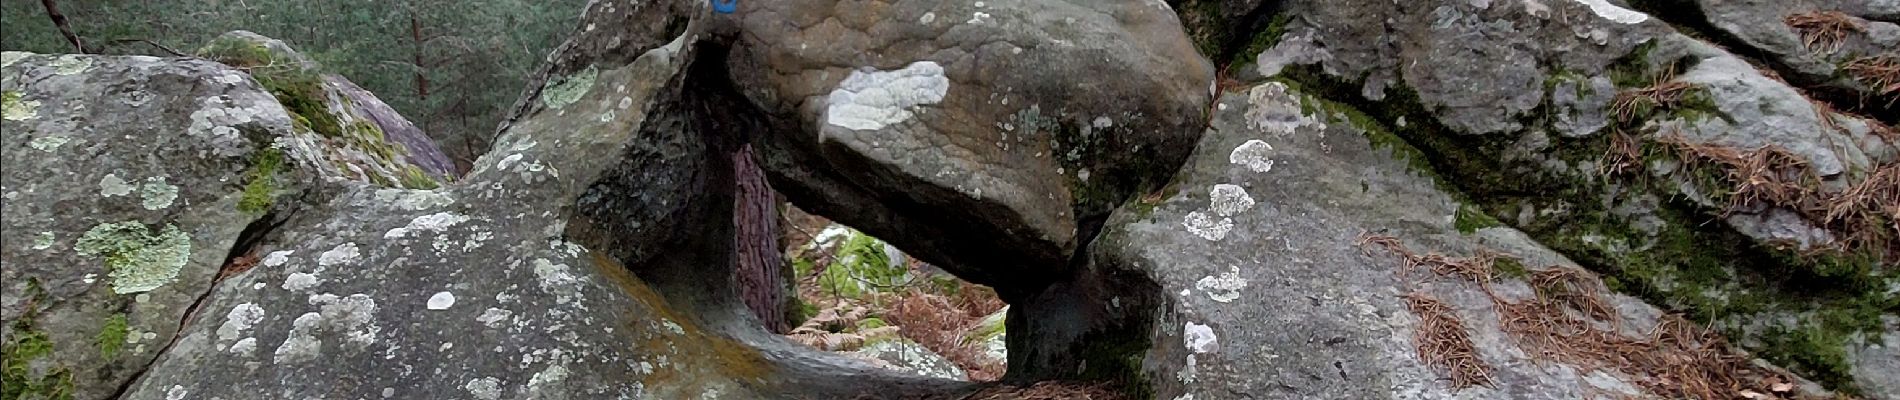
860, 266
260, 187
474, 55
112, 335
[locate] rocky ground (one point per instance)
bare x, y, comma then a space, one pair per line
1208, 199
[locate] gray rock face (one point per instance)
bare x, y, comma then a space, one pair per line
1813, 43
124, 187
973, 135
1544, 113
1274, 284
908, 356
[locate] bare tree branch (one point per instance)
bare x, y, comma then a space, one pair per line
59, 20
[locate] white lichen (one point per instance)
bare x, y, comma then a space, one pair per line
71, 64
277, 258
494, 317
1223, 288
299, 281
487, 388
158, 195
239, 321
1603, 8
441, 301
871, 100
428, 223
43, 241
7, 58
49, 143
1253, 155
1227, 200
113, 185
1199, 338
1203, 225
341, 254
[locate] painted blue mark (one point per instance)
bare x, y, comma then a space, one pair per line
726, 6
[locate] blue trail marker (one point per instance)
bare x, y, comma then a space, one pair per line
725, 6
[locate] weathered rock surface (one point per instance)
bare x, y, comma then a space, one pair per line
1609, 136
1274, 284
127, 182
283, 235
970, 134
361, 136
1815, 45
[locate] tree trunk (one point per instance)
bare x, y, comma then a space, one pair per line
756, 239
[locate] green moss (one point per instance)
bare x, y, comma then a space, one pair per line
20, 378
414, 178
1688, 262
260, 183
1508, 267
138, 259
1632, 70
1469, 219
1266, 39
1815, 353
295, 84
112, 335
871, 323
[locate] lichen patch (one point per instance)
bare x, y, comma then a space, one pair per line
1204, 225
1253, 155
1199, 338
441, 301
239, 321
871, 100
568, 90
15, 108
1223, 288
158, 195
71, 64
113, 185
49, 143
138, 259
1228, 200
1603, 8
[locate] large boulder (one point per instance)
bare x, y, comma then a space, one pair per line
363, 137
588, 257
128, 181
1682, 171
986, 138
1301, 253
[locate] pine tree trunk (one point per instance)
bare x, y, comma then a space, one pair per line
755, 215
